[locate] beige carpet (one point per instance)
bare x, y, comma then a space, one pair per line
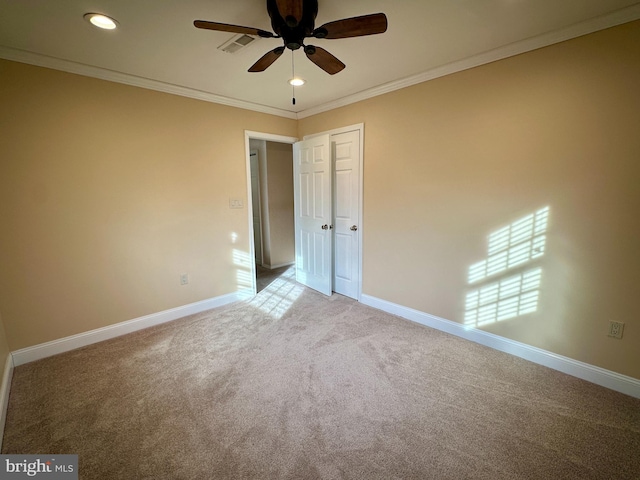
297, 386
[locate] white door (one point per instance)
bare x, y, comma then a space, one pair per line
312, 190
346, 209
255, 204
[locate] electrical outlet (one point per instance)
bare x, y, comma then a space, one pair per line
615, 329
184, 279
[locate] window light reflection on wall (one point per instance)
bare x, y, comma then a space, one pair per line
511, 247
509, 298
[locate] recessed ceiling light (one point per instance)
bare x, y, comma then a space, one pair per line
296, 82
101, 21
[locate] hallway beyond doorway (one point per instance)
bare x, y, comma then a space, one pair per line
266, 276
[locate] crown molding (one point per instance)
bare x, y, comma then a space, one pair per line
618, 17
38, 60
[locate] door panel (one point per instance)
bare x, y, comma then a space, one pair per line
343, 257
346, 194
312, 189
318, 194
343, 192
303, 199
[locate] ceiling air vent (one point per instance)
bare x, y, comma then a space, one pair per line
237, 43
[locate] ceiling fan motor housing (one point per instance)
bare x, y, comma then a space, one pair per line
289, 28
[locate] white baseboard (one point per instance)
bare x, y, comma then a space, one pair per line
66, 344
5, 387
600, 376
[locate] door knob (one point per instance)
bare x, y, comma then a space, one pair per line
353, 228
325, 227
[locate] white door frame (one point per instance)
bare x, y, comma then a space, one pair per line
270, 137
254, 151
360, 128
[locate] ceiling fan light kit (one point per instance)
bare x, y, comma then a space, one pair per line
293, 21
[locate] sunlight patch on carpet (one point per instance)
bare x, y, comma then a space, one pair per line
276, 299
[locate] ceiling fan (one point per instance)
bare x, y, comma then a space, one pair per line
293, 21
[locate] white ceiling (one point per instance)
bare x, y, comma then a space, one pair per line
157, 46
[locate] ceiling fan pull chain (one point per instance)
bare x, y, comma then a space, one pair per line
293, 75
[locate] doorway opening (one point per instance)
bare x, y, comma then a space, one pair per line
270, 184
275, 210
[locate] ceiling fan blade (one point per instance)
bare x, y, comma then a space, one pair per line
291, 11
353, 27
225, 27
324, 59
266, 60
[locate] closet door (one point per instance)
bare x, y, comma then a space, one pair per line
346, 208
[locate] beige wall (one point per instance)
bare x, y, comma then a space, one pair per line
107, 194
280, 188
451, 160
